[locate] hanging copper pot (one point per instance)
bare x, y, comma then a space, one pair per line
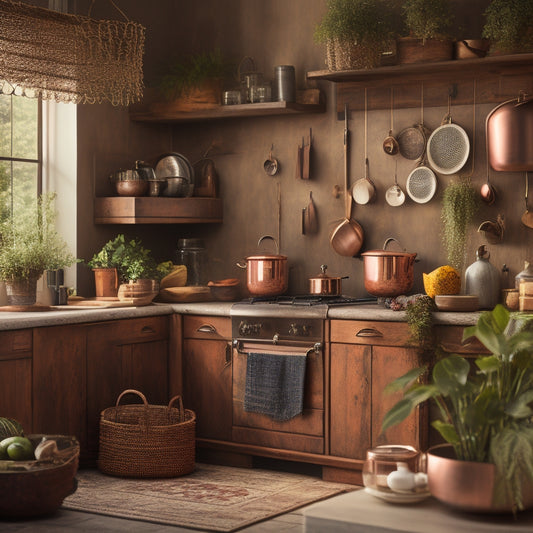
509, 135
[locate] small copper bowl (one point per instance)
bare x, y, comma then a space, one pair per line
132, 187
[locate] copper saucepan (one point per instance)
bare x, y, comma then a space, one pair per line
267, 275
388, 273
326, 285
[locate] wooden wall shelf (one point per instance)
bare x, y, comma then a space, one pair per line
497, 78
157, 210
163, 112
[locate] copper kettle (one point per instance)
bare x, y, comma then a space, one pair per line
509, 135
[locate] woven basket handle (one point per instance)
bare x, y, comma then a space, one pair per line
180, 408
132, 391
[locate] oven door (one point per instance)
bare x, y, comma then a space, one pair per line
304, 432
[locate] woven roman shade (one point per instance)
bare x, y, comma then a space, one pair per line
69, 58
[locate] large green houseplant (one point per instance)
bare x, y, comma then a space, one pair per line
428, 24
356, 33
485, 415
508, 26
29, 245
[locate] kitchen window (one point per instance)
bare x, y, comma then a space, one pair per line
20, 152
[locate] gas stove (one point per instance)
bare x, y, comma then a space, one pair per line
312, 306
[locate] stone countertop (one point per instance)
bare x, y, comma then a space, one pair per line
55, 316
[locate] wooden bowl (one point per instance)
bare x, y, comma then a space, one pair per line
34, 488
457, 303
226, 290
140, 292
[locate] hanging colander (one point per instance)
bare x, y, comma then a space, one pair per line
421, 184
448, 147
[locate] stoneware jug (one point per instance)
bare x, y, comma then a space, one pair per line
483, 279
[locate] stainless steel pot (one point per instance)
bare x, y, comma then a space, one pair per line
325, 285
388, 273
267, 275
509, 135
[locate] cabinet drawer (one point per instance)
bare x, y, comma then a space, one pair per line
374, 333
451, 339
134, 330
206, 327
16, 344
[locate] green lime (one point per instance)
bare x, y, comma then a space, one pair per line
17, 448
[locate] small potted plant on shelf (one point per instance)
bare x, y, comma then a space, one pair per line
356, 33
508, 26
428, 23
195, 81
486, 417
29, 245
120, 266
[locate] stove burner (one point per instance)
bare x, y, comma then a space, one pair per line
308, 300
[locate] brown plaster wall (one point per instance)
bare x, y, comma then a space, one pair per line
280, 32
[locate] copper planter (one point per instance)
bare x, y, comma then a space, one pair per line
467, 485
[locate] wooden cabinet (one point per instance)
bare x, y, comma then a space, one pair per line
15, 376
364, 358
207, 374
127, 354
79, 370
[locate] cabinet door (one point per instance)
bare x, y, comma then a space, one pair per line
59, 363
350, 379
207, 374
15, 376
389, 363
126, 354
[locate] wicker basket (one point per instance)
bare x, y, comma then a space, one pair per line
147, 441
35, 488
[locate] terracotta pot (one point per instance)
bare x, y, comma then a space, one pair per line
388, 273
466, 485
106, 282
412, 50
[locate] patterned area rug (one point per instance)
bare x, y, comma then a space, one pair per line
212, 498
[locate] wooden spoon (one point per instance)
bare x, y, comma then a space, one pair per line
527, 217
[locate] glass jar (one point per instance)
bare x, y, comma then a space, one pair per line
192, 254
384, 460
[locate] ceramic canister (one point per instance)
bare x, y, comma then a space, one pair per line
483, 279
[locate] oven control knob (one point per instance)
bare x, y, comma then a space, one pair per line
299, 330
247, 330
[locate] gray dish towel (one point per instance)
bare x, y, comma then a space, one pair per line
275, 385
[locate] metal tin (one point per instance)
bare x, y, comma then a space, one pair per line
285, 83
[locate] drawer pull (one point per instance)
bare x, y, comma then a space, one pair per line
147, 329
369, 332
228, 354
207, 328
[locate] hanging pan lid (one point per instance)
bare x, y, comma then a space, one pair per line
421, 184
448, 147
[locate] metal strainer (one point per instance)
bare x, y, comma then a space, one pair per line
421, 184
448, 148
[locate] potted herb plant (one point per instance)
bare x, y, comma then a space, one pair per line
29, 245
121, 261
508, 26
195, 81
485, 416
428, 23
356, 33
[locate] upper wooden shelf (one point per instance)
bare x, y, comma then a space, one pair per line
429, 71
156, 210
160, 112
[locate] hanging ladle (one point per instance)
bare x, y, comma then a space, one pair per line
527, 217
394, 194
390, 144
271, 165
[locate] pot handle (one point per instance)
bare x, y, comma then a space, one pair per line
389, 240
269, 237
241, 264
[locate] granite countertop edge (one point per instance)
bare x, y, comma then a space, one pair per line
54, 317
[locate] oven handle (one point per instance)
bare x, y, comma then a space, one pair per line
238, 345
